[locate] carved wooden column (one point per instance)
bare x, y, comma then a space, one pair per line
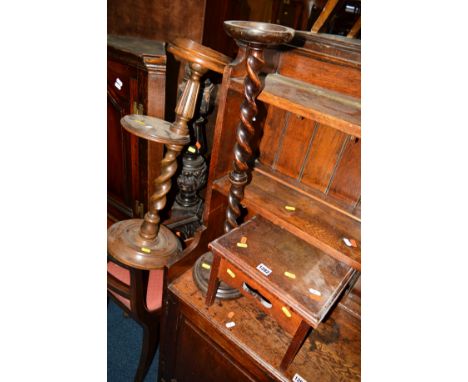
145, 243
254, 37
186, 213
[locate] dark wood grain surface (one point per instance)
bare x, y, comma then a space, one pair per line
323, 157
282, 252
326, 106
295, 143
348, 173
140, 65
323, 190
312, 221
257, 343
156, 19
137, 46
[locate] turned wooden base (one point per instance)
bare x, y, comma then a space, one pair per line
126, 245
201, 276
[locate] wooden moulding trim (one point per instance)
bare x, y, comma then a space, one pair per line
329, 48
147, 63
136, 46
310, 101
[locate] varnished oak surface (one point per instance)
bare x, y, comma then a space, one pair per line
258, 33
331, 353
299, 186
325, 106
137, 46
312, 221
126, 246
283, 252
152, 129
192, 51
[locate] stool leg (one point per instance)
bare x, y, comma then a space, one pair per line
213, 283
296, 343
150, 344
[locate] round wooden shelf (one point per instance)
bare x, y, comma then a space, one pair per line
253, 32
125, 244
192, 51
201, 275
153, 129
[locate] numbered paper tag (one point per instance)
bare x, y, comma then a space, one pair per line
118, 84
264, 269
298, 378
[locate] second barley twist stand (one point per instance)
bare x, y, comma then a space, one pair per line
145, 243
255, 37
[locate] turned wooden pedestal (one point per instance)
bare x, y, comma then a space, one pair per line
145, 243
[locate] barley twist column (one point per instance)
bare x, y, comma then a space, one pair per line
245, 131
184, 112
256, 37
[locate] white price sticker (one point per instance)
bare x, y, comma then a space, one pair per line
298, 378
118, 84
315, 291
264, 269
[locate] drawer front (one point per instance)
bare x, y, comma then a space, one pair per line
288, 319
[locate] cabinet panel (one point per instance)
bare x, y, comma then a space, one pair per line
116, 161
121, 81
190, 368
133, 86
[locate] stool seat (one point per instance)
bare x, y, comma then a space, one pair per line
292, 281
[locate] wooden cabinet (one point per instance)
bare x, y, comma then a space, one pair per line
136, 80
307, 155
197, 346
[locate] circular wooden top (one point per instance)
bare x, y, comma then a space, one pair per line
253, 32
126, 246
152, 129
192, 51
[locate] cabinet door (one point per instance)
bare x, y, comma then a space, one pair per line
121, 93
199, 359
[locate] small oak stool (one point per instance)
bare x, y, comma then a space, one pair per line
291, 280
